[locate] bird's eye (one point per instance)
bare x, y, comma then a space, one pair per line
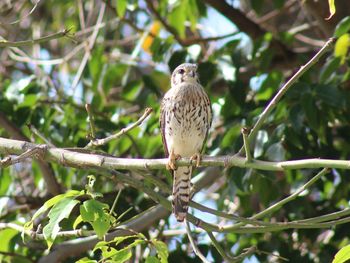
181, 71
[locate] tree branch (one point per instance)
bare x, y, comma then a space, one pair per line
74, 158
193, 243
273, 103
63, 33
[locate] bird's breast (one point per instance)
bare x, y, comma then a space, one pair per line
187, 119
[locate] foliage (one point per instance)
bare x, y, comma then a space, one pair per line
117, 57
343, 255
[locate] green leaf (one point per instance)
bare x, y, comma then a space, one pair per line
121, 7
342, 27
86, 260
94, 212
77, 221
101, 225
122, 255
6, 235
311, 111
276, 152
331, 95
96, 64
159, 47
5, 181
117, 255
132, 90
177, 18
162, 250
343, 255
116, 241
152, 259
341, 47
49, 203
230, 136
331, 9
29, 101
328, 69
59, 211
192, 13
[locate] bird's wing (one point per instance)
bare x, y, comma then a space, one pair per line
162, 127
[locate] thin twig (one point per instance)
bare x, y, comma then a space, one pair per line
194, 246
37, 133
219, 248
99, 142
23, 57
246, 253
27, 154
91, 121
37, 236
248, 155
22, 17
63, 33
115, 201
291, 197
273, 103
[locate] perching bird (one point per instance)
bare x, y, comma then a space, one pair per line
185, 120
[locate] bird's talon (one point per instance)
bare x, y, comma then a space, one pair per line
198, 158
177, 157
171, 165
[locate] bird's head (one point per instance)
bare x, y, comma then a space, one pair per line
185, 72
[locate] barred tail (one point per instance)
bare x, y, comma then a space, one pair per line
181, 192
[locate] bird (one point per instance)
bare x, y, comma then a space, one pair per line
185, 120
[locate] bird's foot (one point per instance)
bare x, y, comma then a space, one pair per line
198, 158
171, 165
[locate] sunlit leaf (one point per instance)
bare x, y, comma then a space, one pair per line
331, 9
59, 211
342, 47
86, 260
162, 250
121, 7
343, 255
48, 204
77, 221
152, 259
94, 212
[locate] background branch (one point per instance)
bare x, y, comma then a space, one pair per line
53, 187
63, 33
